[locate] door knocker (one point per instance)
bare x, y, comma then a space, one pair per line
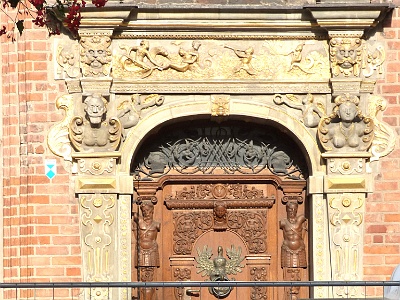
219, 268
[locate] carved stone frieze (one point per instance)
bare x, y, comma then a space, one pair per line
346, 129
94, 132
95, 55
312, 110
346, 225
346, 166
97, 166
185, 59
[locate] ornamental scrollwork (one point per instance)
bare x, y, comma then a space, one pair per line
67, 57
188, 227
346, 129
57, 139
206, 152
384, 136
251, 226
346, 216
98, 213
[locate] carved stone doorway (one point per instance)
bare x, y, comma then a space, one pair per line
220, 193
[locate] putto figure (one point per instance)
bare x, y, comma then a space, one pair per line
293, 250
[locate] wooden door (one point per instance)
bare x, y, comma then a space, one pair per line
220, 192
221, 219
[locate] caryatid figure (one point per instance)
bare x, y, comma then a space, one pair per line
147, 253
293, 250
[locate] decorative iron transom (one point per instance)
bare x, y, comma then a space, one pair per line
237, 149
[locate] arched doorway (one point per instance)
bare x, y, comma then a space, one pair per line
220, 192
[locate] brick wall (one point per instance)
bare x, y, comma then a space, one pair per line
382, 237
41, 228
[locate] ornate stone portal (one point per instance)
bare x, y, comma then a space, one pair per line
310, 72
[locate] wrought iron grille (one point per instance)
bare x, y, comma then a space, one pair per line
75, 290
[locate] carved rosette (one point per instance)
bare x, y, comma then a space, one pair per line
346, 214
220, 105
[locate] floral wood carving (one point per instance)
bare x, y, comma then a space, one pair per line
204, 196
258, 274
251, 225
188, 227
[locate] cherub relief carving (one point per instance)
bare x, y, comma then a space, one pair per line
312, 110
143, 59
189, 59
346, 56
346, 129
96, 55
129, 111
245, 60
93, 132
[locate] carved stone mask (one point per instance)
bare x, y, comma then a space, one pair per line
95, 109
346, 56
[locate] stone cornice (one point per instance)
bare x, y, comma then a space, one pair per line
128, 20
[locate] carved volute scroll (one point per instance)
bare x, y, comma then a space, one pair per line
346, 129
